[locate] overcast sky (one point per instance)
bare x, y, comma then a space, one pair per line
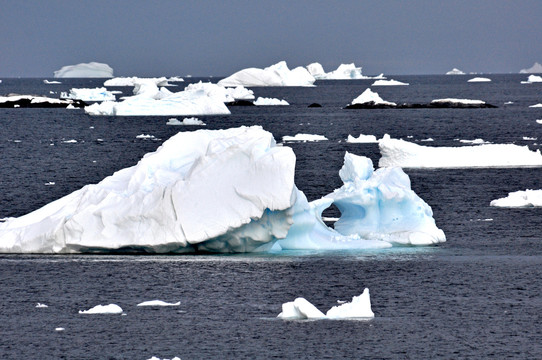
208, 37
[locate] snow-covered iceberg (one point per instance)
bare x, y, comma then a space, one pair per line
455, 71
301, 309
303, 138
343, 72
148, 99
527, 198
224, 94
274, 75
535, 69
85, 70
370, 99
531, 79
390, 82
406, 154
263, 101
479, 79
362, 139
186, 121
96, 94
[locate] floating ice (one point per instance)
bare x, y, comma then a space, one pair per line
455, 71
369, 96
536, 68
274, 75
97, 94
158, 303
406, 154
536, 106
479, 79
343, 72
303, 138
458, 101
157, 358
539, 121
532, 79
224, 94
51, 82
388, 83
132, 81
186, 121
527, 198
103, 309
85, 70
60, 329
362, 139
477, 141
301, 309
270, 101
40, 305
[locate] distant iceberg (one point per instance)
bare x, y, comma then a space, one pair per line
390, 82
533, 79
362, 139
274, 75
49, 82
372, 99
96, 94
263, 101
186, 121
455, 71
527, 198
406, 154
343, 72
85, 70
149, 100
132, 81
224, 191
303, 138
158, 303
32, 101
224, 94
103, 309
535, 69
479, 79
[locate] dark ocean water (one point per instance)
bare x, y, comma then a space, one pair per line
476, 296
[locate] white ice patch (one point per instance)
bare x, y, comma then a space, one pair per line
96, 94
158, 303
303, 138
343, 72
390, 82
370, 96
103, 309
527, 198
263, 101
186, 121
479, 79
455, 71
362, 139
274, 75
40, 305
85, 70
531, 79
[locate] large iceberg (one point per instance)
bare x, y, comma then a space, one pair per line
343, 72
85, 70
274, 75
148, 99
224, 191
535, 69
402, 153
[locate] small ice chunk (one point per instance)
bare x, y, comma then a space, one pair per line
527, 198
479, 79
40, 305
103, 309
158, 303
359, 307
304, 138
362, 139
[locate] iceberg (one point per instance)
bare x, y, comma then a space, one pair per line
527, 198
535, 69
531, 79
85, 70
370, 99
406, 154
479, 79
274, 75
388, 83
97, 94
455, 71
536, 106
158, 303
132, 81
343, 72
301, 309
186, 121
263, 101
103, 309
362, 139
303, 138
224, 94
48, 82
148, 99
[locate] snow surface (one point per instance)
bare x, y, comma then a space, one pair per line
536, 68
97, 94
303, 138
531, 79
362, 139
390, 82
158, 303
269, 101
455, 71
40, 305
406, 154
148, 99
479, 79
300, 309
85, 70
274, 75
527, 198
370, 96
103, 309
477, 141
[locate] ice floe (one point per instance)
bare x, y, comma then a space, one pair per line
303, 138
301, 309
527, 198
40, 305
390, 82
343, 72
477, 141
103, 309
96, 94
369, 97
536, 68
158, 303
85, 70
479, 79
53, 82
406, 154
275, 75
132, 81
263, 101
536, 106
455, 71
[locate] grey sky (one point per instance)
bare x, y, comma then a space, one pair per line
202, 38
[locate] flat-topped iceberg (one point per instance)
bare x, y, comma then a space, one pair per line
85, 70
406, 154
302, 309
96, 94
455, 71
531, 79
535, 69
148, 99
479, 79
303, 138
343, 72
390, 82
103, 309
526, 198
274, 75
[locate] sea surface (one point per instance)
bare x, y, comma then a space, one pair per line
477, 296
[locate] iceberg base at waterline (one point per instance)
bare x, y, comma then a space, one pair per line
224, 191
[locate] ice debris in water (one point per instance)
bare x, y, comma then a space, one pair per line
300, 308
103, 309
303, 138
527, 198
158, 303
274, 75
